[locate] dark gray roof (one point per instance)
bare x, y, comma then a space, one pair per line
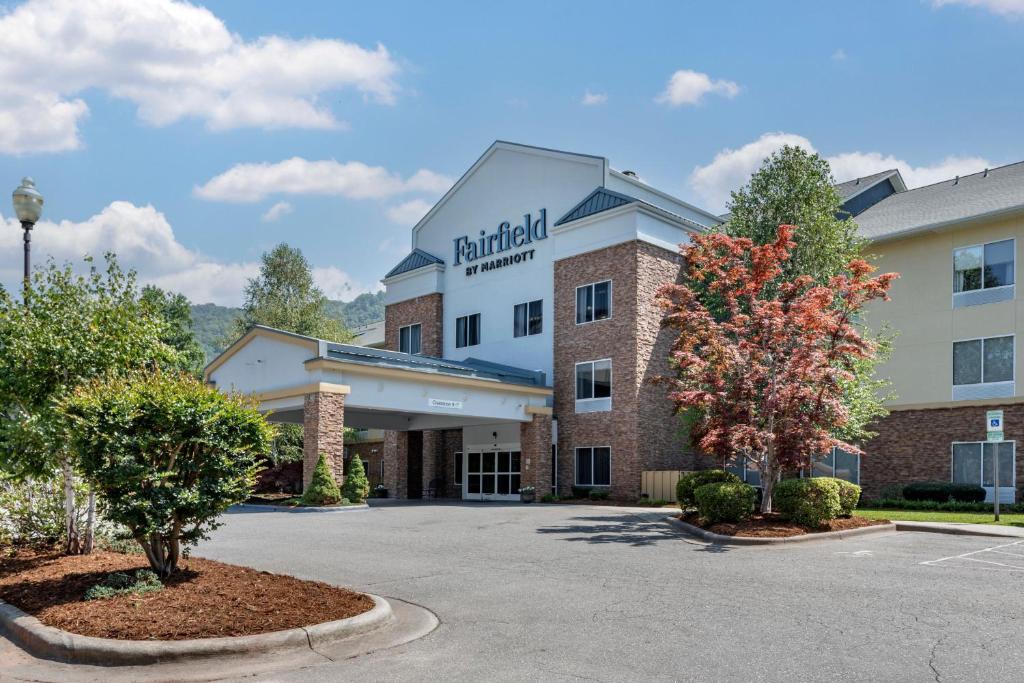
471, 367
858, 185
603, 199
417, 259
992, 192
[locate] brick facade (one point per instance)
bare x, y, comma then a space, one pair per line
372, 452
640, 428
424, 310
916, 445
323, 418
396, 463
535, 451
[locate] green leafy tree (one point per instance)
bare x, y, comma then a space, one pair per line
287, 446
69, 330
323, 489
284, 296
796, 187
179, 333
357, 486
167, 454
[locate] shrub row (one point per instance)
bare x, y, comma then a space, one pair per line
942, 492
816, 500
727, 501
948, 506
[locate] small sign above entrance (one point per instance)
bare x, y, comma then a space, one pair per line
442, 403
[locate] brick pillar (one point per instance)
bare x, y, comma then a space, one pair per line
396, 463
433, 452
535, 446
323, 431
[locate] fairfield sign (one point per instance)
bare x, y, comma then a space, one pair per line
505, 238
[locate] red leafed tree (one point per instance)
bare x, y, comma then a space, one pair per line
762, 375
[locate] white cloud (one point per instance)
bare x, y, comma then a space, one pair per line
690, 87
143, 240
352, 179
593, 99
408, 213
732, 168
276, 211
1005, 8
839, 55
173, 60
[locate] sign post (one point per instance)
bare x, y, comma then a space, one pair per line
994, 429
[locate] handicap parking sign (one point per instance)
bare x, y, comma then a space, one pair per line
994, 425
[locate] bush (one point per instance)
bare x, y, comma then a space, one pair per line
32, 510
950, 506
549, 498
357, 486
849, 496
580, 491
120, 583
810, 502
599, 494
167, 454
652, 502
943, 492
891, 492
727, 501
689, 483
322, 490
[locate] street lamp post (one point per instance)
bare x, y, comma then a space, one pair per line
28, 206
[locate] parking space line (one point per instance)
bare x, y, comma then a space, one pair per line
973, 552
994, 550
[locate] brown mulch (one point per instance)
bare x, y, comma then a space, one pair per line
774, 526
204, 599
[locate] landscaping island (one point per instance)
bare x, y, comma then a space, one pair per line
776, 526
203, 599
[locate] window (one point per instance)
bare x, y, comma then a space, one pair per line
528, 318
594, 466
458, 468
467, 331
594, 386
409, 338
983, 266
839, 464
594, 302
746, 470
983, 361
973, 464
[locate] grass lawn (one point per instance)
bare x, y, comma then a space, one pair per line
937, 516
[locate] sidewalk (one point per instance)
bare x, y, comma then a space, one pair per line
964, 529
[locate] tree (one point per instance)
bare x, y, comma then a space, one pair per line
357, 486
179, 334
284, 296
68, 330
322, 489
766, 379
168, 455
795, 187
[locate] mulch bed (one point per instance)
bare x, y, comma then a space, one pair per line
774, 526
205, 599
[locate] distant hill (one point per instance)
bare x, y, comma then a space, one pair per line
212, 322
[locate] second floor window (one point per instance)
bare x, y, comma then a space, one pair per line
593, 302
983, 361
983, 266
409, 338
467, 331
593, 380
528, 318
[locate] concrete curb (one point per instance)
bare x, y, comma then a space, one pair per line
719, 539
958, 530
47, 642
257, 507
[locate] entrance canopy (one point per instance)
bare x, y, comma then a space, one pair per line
382, 389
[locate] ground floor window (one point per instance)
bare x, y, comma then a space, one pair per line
839, 464
745, 470
973, 463
594, 466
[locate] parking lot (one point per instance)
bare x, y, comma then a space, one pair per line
601, 593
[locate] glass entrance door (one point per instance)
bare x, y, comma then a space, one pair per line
492, 475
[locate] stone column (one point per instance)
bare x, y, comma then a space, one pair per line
396, 463
323, 431
535, 446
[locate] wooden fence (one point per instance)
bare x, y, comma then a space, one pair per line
660, 484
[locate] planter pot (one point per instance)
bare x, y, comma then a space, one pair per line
527, 497
381, 493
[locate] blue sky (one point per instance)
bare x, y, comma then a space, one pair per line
158, 129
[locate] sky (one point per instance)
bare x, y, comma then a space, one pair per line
192, 138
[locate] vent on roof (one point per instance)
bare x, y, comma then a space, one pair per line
631, 174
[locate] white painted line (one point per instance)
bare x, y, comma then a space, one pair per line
975, 552
1003, 552
998, 564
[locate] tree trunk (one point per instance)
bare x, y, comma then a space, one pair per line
162, 552
768, 477
90, 524
73, 543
